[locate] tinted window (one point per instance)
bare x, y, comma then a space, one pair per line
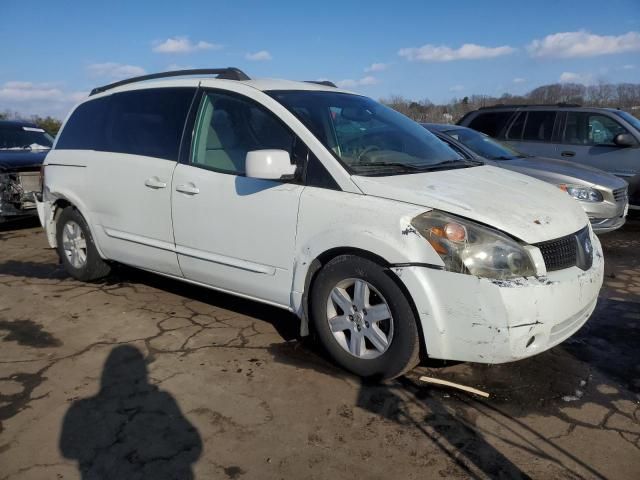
491, 123
515, 132
585, 128
148, 122
85, 128
142, 122
539, 126
229, 126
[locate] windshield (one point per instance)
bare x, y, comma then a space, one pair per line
367, 137
484, 145
18, 137
629, 118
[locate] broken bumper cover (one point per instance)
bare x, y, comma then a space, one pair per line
475, 319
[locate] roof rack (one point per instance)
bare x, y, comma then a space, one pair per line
229, 73
326, 83
520, 105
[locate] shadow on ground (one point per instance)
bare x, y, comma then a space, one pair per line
130, 429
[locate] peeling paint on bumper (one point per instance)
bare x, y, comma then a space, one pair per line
472, 319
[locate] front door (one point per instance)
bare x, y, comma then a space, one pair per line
232, 232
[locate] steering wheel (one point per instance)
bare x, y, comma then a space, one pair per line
370, 148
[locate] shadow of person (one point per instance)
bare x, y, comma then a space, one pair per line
130, 429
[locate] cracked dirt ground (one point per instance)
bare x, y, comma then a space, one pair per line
143, 377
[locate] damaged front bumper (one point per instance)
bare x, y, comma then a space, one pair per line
17, 194
475, 319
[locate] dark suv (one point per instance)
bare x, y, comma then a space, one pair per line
605, 138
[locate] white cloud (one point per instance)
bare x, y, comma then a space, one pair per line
519, 80
183, 45
572, 77
442, 53
114, 70
583, 44
376, 67
261, 56
628, 66
28, 98
362, 82
456, 88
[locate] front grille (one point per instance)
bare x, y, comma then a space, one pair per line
562, 252
620, 194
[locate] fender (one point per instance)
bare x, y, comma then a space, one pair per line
381, 227
59, 190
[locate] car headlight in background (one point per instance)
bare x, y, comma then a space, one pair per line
471, 248
582, 193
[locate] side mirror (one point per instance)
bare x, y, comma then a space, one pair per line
624, 140
269, 165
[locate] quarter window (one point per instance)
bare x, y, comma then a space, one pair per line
539, 126
230, 126
591, 129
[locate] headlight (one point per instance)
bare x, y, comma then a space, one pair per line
467, 247
579, 192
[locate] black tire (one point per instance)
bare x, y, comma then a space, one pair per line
94, 267
402, 354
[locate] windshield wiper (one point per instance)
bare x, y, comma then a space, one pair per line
404, 166
451, 163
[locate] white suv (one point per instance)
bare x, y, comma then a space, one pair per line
324, 203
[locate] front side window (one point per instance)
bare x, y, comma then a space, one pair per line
19, 137
229, 126
539, 126
483, 145
585, 128
367, 137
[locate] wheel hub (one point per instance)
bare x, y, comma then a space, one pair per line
359, 318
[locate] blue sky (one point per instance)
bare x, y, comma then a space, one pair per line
54, 52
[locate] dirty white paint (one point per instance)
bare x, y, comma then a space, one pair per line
261, 243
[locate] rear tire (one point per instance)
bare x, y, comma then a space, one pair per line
363, 318
76, 248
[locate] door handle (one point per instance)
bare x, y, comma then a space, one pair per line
568, 153
155, 183
189, 189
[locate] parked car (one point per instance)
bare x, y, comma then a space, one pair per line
324, 203
604, 138
602, 195
23, 147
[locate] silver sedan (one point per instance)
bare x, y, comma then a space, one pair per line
602, 195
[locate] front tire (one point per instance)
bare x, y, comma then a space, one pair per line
76, 248
363, 319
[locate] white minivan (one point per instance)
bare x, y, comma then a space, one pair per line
324, 203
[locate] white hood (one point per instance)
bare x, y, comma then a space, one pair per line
528, 209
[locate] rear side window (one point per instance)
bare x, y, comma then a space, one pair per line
148, 122
141, 122
539, 126
491, 123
